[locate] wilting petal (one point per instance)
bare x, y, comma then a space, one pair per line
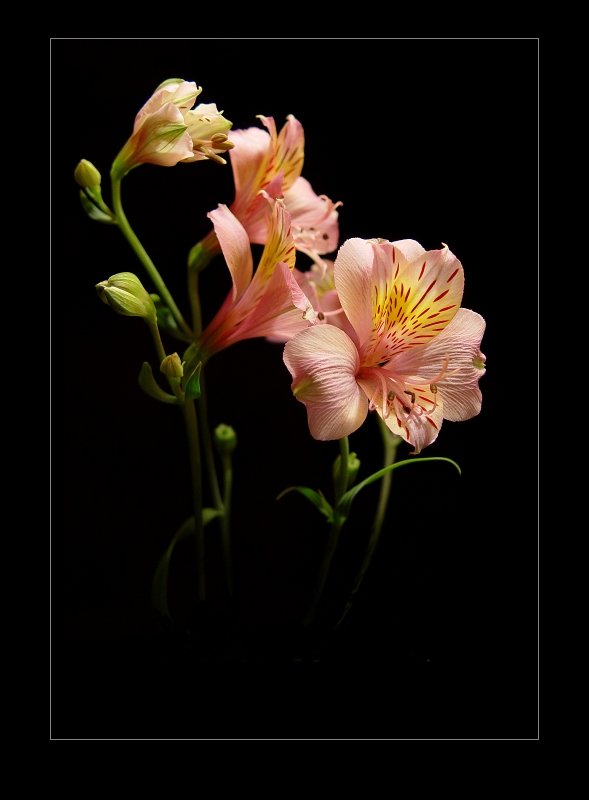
323, 362
354, 283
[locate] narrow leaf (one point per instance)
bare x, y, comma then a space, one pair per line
316, 498
159, 585
343, 507
94, 212
150, 387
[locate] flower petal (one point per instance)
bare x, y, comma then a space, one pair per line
459, 345
353, 280
282, 311
323, 362
289, 148
250, 153
412, 302
315, 220
236, 249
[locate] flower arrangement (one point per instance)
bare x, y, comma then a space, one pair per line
370, 332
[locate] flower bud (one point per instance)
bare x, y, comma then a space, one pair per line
125, 294
225, 439
172, 367
86, 175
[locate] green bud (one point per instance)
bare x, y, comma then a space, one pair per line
86, 175
172, 367
125, 294
225, 439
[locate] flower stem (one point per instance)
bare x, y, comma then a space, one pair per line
145, 259
334, 532
190, 419
199, 257
224, 520
390, 445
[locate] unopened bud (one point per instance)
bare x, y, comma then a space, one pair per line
172, 367
125, 294
86, 175
225, 439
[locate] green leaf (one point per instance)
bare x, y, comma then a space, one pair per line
316, 498
150, 387
343, 507
159, 584
94, 212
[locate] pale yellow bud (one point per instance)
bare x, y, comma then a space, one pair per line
86, 175
172, 367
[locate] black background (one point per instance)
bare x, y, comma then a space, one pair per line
430, 139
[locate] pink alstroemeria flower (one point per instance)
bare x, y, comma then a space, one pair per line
415, 354
167, 131
271, 161
264, 303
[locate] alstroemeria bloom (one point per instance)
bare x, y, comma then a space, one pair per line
415, 355
167, 131
271, 161
267, 302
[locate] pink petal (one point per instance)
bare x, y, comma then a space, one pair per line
250, 151
459, 342
412, 301
236, 249
354, 283
323, 362
289, 151
315, 220
282, 311
419, 431
409, 248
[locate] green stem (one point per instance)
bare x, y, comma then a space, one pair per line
207, 445
200, 257
390, 445
159, 348
196, 473
145, 259
225, 520
334, 532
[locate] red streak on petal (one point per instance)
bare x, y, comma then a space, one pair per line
439, 297
396, 272
421, 273
447, 308
453, 274
408, 293
421, 299
431, 422
437, 322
